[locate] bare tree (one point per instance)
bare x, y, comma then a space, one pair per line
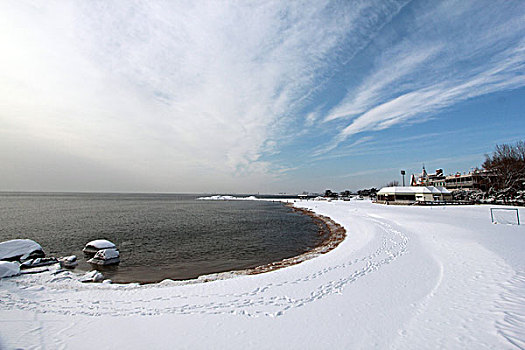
392, 183
506, 169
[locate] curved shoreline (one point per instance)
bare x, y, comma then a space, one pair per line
336, 235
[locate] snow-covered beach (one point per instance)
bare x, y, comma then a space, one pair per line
405, 277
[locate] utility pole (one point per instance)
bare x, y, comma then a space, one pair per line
403, 173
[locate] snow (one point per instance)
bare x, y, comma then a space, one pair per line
414, 189
105, 257
92, 276
227, 198
106, 254
405, 278
100, 244
505, 216
38, 262
68, 261
217, 198
18, 249
8, 269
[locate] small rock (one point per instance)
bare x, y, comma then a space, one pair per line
92, 276
69, 262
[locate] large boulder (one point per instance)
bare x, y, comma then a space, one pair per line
20, 249
105, 257
93, 247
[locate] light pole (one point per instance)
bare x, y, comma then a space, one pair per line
403, 173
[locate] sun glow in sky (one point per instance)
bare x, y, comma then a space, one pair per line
262, 96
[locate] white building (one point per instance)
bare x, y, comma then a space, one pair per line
411, 194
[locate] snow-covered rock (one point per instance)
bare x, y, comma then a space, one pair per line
38, 262
68, 261
20, 249
92, 276
8, 269
93, 247
105, 257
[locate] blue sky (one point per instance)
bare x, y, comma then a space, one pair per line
269, 96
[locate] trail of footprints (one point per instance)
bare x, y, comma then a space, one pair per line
272, 300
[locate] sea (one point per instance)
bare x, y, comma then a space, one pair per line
159, 236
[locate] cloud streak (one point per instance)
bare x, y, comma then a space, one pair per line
188, 92
424, 74
209, 95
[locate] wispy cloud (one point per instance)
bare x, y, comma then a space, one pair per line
207, 95
424, 73
407, 61
173, 92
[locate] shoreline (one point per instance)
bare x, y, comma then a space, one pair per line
335, 235
406, 277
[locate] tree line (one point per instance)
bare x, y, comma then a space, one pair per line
504, 171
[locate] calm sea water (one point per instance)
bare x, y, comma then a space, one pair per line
159, 236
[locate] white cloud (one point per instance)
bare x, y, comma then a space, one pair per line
179, 94
436, 67
195, 95
395, 67
503, 74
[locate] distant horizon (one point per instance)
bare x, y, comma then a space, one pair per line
353, 190
168, 193
269, 97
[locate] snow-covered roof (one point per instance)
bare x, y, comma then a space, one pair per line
413, 190
18, 248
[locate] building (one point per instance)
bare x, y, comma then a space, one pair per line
412, 194
436, 179
474, 180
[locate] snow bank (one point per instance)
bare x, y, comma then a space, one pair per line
20, 249
8, 269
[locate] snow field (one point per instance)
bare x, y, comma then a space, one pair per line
405, 277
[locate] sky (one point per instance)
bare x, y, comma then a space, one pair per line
254, 96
